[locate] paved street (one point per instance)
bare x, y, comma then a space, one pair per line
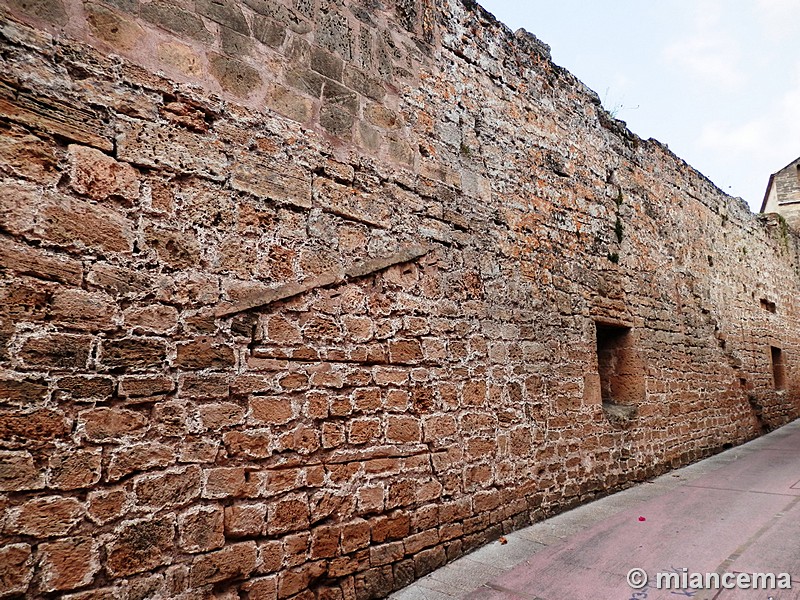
737, 512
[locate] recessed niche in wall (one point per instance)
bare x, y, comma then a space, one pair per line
621, 371
768, 306
778, 368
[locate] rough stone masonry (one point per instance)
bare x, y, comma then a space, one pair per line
304, 298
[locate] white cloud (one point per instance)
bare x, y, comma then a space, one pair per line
786, 6
780, 18
730, 138
711, 52
787, 124
710, 57
708, 14
759, 146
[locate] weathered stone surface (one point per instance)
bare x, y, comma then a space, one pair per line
235, 44
338, 121
221, 415
334, 94
75, 469
139, 457
267, 31
145, 385
45, 517
156, 318
28, 155
36, 425
203, 353
87, 387
56, 351
173, 18
107, 505
134, 353
51, 11
355, 315
141, 545
287, 515
100, 177
262, 587
29, 260
180, 57
278, 12
18, 472
224, 12
16, 216
112, 28
204, 386
23, 392
109, 424
253, 443
374, 583
179, 249
201, 529
68, 563
168, 489
341, 200
245, 520
228, 482
233, 562
305, 81
158, 146
326, 64
254, 175
74, 222
296, 580
77, 309
335, 34
382, 117
63, 117
234, 76
16, 569
364, 84
118, 280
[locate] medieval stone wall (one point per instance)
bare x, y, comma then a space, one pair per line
302, 300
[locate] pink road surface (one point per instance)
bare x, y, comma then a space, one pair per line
743, 517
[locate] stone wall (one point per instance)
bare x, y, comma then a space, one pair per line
783, 194
304, 300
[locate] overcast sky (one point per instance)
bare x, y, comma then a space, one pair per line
718, 81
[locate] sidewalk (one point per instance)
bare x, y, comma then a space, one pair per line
736, 512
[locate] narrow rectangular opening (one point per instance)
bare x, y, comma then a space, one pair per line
768, 306
619, 365
778, 368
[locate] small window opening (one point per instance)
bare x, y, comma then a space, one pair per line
768, 306
778, 368
620, 368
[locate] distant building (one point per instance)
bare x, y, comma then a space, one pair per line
783, 194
